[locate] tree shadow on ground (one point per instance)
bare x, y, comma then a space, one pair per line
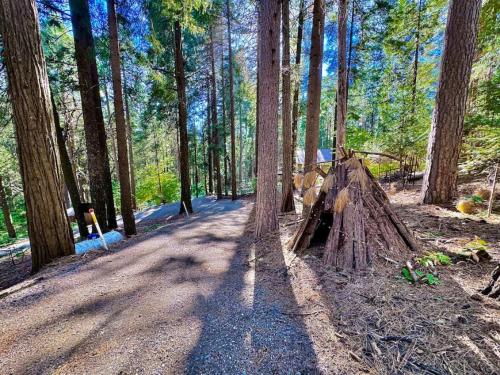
249, 324
395, 327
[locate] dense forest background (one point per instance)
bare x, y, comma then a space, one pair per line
393, 54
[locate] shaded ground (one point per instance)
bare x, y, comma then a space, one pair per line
16, 268
380, 324
185, 297
199, 295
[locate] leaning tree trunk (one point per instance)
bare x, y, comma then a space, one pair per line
266, 218
287, 203
121, 126
11, 231
180, 79
130, 143
440, 178
314, 87
296, 91
341, 108
68, 174
215, 126
234, 191
48, 226
95, 134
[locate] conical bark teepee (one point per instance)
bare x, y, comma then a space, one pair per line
354, 220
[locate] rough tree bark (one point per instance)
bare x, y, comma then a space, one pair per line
101, 190
215, 130
121, 126
11, 231
314, 87
415, 61
180, 79
234, 191
48, 226
129, 143
440, 178
341, 107
209, 143
287, 203
223, 119
68, 174
266, 218
296, 91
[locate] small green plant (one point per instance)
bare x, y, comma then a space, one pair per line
434, 258
476, 244
475, 198
427, 278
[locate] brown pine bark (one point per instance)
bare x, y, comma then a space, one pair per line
342, 77
234, 191
215, 130
209, 143
223, 119
415, 61
296, 91
68, 174
180, 79
440, 178
287, 203
48, 227
121, 126
101, 190
11, 231
314, 87
266, 218
129, 143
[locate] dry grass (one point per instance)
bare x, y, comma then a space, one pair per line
342, 200
298, 179
309, 179
466, 206
310, 196
483, 193
328, 183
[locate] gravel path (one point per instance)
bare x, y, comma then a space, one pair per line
181, 299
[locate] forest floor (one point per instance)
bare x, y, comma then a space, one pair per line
200, 295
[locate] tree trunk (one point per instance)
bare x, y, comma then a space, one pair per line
130, 144
266, 218
415, 62
296, 91
314, 87
287, 203
11, 231
95, 134
234, 191
196, 175
48, 226
121, 126
215, 130
180, 79
209, 143
224, 133
440, 178
69, 177
342, 77
240, 170
349, 55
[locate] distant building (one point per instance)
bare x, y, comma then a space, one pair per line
324, 158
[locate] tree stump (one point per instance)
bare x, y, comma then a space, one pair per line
359, 220
493, 288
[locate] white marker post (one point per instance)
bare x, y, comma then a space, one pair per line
94, 219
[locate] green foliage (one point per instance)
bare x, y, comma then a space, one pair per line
434, 258
427, 278
155, 187
476, 244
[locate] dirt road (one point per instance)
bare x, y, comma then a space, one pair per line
180, 299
